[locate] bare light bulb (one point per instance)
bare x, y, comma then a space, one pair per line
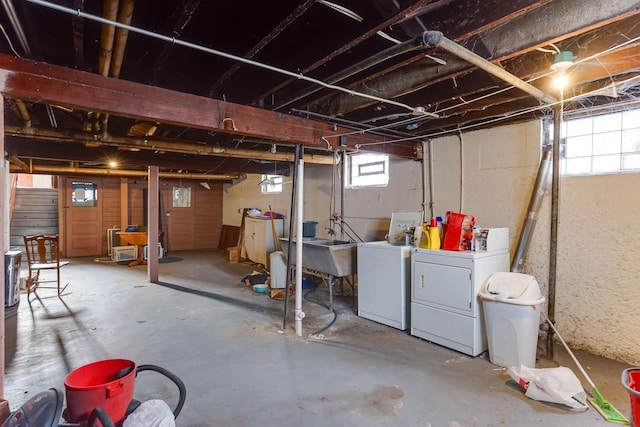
561, 80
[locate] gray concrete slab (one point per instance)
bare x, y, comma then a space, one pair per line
241, 368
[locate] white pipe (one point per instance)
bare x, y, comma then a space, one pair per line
431, 184
299, 314
80, 14
436, 39
461, 170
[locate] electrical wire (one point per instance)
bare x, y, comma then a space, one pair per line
80, 14
6, 36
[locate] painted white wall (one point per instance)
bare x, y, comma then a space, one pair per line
597, 273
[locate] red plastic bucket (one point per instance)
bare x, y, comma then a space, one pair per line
631, 381
107, 384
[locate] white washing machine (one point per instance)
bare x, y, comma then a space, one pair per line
384, 283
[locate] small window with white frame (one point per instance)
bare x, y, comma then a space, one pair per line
271, 184
603, 144
367, 170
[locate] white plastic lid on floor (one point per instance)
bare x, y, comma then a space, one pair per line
512, 288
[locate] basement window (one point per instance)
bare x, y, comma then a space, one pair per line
181, 197
603, 144
271, 184
84, 194
367, 170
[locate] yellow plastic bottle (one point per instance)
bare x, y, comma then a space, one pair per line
424, 237
434, 235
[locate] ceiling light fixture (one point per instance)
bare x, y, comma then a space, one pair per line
561, 61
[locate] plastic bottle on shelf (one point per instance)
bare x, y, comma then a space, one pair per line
424, 237
440, 228
434, 235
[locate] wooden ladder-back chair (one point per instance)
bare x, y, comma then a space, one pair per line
43, 253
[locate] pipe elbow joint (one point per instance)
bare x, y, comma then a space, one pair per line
432, 38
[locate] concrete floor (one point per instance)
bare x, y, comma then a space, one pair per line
242, 369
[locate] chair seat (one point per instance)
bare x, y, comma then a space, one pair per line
47, 265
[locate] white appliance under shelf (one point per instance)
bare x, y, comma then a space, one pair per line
445, 308
384, 277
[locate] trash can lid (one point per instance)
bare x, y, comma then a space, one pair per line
512, 288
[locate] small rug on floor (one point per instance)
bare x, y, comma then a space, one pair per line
163, 260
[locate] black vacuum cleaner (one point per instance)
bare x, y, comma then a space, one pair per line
45, 409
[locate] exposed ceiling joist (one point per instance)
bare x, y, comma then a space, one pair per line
43, 83
543, 25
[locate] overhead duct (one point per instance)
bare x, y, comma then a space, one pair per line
437, 39
156, 144
113, 43
67, 170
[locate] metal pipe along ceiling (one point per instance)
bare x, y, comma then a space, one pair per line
40, 169
173, 40
436, 39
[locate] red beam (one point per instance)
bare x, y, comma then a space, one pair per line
48, 84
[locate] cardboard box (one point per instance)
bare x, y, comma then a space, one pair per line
277, 294
234, 254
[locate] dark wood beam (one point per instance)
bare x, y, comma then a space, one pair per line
43, 83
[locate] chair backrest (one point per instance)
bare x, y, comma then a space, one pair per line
42, 249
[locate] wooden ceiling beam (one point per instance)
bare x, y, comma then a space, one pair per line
48, 84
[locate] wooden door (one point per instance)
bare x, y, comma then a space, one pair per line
193, 225
83, 217
180, 213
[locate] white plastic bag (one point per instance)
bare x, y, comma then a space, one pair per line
152, 413
557, 385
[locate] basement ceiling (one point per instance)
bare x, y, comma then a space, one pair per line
227, 87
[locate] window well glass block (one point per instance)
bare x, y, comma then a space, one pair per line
578, 165
606, 143
631, 161
607, 123
631, 141
631, 119
608, 163
579, 146
580, 127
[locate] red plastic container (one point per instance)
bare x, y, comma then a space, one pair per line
108, 384
631, 381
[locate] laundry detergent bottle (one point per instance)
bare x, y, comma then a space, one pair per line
434, 235
424, 237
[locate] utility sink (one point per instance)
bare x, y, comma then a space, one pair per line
333, 257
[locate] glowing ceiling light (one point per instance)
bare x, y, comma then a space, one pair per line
561, 80
561, 61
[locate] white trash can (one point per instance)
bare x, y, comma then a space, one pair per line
512, 304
